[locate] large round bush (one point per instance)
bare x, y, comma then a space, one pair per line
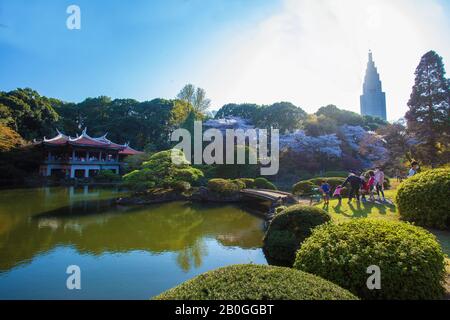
288, 230
425, 199
411, 261
256, 282
305, 187
224, 186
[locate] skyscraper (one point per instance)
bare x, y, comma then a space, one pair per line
373, 99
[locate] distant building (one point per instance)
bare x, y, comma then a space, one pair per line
81, 157
373, 99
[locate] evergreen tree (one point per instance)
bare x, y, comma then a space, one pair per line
428, 117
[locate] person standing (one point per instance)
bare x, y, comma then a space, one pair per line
355, 183
338, 194
326, 190
379, 183
371, 184
413, 170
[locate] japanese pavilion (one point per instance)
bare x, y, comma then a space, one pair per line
81, 157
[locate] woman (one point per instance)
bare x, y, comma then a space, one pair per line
379, 183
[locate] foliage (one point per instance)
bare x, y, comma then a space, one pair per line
321, 125
224, 186
425, 198
401, 147
135, 162
322, 147
161, 171
410, 259
249, 183
303, 188
28, 113
288, 230
107, 176
9, 139
196, 97
282, 115
306, 187
180, 186
256, 282
263, 183
428, 117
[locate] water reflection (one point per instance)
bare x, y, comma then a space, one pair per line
33, 222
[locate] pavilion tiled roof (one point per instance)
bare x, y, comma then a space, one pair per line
84, 140
128, 151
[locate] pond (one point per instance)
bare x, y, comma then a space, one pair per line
123, 252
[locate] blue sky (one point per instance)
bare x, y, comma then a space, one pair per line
309, 52
140, 49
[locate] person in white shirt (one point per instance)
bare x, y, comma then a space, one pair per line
379, 182
413, 170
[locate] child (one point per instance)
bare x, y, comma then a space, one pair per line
337, 193
325, 187
364, 187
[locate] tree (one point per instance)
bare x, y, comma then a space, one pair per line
319, 125
281, 115
400, 146
161, 171
9, 139
342, 117
28, 113
195, 96
428, 116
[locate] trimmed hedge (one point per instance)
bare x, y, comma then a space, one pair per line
288, 230
425, 199
224, 186
248, 182
263, 183
305, 187
256, 282
410, 259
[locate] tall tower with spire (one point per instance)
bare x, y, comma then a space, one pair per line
373, 99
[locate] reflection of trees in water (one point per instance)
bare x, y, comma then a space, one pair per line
193, 254
96, 227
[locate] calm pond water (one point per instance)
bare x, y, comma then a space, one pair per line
123, 252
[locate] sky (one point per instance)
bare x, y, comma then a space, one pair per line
308, 52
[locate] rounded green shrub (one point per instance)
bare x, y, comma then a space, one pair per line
263, 183
288, 230
224, 186
305, 187
425, 199
411, 262
256, 282
249, 182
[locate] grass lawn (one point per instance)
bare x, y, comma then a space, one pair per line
376, 210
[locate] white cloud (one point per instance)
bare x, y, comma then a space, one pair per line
314, 52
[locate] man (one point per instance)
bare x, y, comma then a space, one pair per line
379, 182
355, 184
413, 170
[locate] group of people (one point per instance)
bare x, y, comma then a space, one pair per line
359, 186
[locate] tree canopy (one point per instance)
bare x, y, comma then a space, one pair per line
428, 117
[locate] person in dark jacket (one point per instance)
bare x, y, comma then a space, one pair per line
355, 184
